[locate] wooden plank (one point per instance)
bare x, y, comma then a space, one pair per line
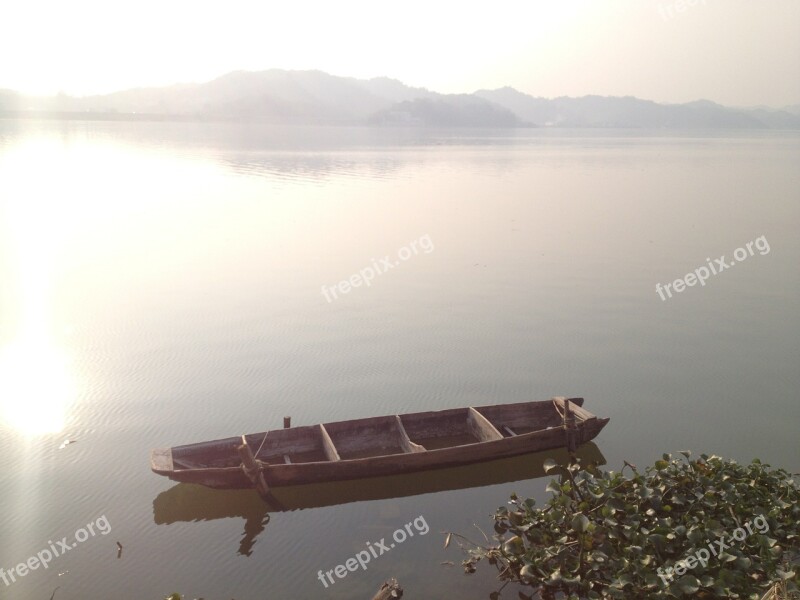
532, 415
288, 447
445, 423
161, 460
327, 445
286, 441
580, 413
405, 441
481, 428
570, 427
374, 434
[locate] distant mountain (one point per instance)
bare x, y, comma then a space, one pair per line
274, 95
456, 110
630, 112
315, 97
776, 119
394, 90
793, 109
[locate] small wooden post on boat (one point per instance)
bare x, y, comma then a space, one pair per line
287, 422
569, 426
252, 469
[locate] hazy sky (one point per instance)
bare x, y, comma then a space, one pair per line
736, 52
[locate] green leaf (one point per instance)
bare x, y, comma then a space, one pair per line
580, 523
657, 540
688, 584
514, 546
616, 504
550, 465
527, 574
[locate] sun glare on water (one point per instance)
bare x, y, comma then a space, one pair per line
36, 387
36, 384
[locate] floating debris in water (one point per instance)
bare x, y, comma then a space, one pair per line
66, 443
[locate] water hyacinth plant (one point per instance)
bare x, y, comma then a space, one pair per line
617, 535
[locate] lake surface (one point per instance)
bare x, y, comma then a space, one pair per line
162, 284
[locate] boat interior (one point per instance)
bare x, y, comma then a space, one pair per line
381, 436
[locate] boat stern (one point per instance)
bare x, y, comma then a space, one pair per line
161, 461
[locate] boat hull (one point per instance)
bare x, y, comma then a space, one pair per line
587, 427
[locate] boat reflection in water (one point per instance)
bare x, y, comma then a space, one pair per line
186, 502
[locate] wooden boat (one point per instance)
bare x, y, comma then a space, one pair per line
377, 446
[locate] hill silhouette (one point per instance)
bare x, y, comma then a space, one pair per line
315, 97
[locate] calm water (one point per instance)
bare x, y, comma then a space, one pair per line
162, 284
